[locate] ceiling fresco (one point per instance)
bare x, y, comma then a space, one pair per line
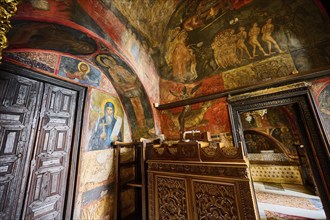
149, 17
211, 37
49, 36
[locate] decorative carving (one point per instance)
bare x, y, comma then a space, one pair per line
193, 151
177, 151
8, 9
246, 200
261, 93
172, 198
199, 169
151, 199
215, 201
216, 153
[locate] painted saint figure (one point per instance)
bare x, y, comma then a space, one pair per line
81, 75
125, 81
107, 129
253, 34
267, 31
183, 59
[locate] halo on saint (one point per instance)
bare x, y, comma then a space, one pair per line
84, 67
105, 60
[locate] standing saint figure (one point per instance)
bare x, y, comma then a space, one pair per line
107, 129
267, 31
183, 59
253, 41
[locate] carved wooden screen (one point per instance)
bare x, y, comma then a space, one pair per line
49, 169
18, 101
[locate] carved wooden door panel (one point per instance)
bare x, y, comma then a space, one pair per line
172, 198
51, 157
18, 101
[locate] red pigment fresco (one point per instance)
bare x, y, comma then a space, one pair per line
46, 9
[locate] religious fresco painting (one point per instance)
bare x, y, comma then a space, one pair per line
176, 90
210, 116
150, 17
40, 61
49, 36
246, 42
321, 91
42, 8
274, 129
96, 183
79, 71
106, 121
131, 93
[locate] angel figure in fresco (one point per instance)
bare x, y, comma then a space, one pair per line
240, 44
267, 31
253, 34
107, 129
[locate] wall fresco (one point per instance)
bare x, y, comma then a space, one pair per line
131, 92
49, 36
46, 8
215, 37
99, 209
178, 91
149, 17
41, 61
211, 116
271, 129
321, 91
105, 121
97, 169
79, 71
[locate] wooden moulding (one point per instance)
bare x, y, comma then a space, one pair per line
193, 151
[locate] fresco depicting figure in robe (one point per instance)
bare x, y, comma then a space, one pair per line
267, 31
181, 57
81, 75
125, 80
253, 40
107, 129
79, 71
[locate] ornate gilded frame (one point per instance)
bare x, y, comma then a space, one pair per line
8, 9
317, 144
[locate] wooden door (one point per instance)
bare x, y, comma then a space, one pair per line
18, 104
51, 157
